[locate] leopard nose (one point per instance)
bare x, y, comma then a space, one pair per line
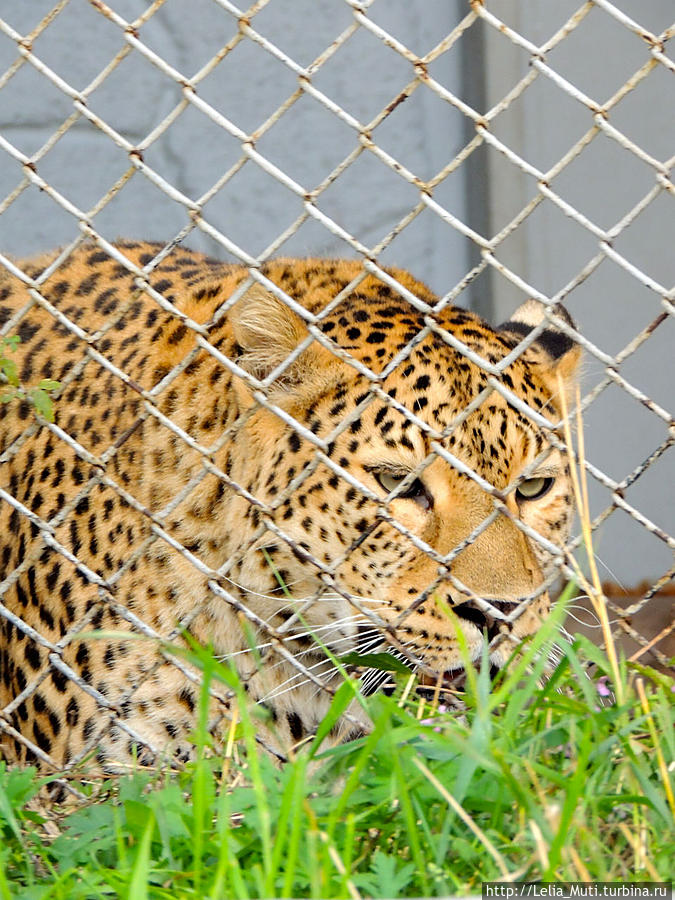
483, 619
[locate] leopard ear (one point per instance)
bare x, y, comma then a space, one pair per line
267, 332
561, 354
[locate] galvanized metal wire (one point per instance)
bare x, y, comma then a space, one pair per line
310, 195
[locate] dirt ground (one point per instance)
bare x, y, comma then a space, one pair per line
655, 622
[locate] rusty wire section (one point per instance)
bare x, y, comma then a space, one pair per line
599, 122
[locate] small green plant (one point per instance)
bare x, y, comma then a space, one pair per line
38, 396
533, 781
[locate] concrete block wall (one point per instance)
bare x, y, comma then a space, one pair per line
549, 249
368, 199
247, 87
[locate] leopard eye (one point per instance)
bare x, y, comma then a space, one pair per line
533, 488
415, 491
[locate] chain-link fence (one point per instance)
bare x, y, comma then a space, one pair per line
55, 644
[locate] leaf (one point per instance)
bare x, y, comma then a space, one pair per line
343, 697
385, 662
7, 813
48, 384
385, 879
42, 403
10, 370
19, 784
138, 887
653, 674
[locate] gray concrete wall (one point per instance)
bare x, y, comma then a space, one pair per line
604, 182
308, 142
423, 133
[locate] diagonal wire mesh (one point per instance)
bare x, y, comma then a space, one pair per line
312, 200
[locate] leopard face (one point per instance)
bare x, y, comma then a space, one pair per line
225, 468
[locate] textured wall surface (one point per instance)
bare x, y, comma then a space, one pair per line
424, 133
307, 142
603, 183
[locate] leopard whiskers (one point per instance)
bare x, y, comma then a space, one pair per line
319, 669
294, 636
326, 666
369, 640
595, 623
611, 574
373, 679
331, 644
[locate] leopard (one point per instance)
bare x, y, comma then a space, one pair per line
281, 465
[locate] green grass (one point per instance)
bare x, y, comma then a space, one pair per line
531, 782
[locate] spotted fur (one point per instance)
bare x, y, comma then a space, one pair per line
116, 505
